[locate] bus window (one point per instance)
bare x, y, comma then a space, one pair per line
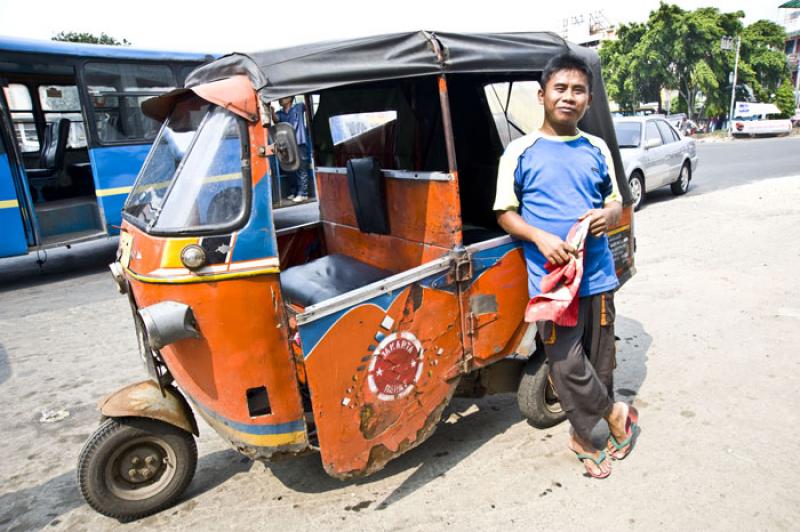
21, 108
117, 91
183, 73
61, 101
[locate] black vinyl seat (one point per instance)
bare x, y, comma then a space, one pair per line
327, 277
51, 158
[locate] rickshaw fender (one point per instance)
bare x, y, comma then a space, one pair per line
145, 399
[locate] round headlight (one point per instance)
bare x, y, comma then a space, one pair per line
193, 256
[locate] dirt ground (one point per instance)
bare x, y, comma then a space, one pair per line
709, 331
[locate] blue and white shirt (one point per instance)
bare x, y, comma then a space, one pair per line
553, 181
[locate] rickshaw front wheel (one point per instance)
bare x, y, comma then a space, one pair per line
133, 467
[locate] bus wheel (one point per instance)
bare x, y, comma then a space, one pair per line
536, 396
133, 467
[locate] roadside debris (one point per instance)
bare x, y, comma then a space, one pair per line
53, 416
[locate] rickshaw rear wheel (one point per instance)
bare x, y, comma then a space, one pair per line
536, 395
133, 467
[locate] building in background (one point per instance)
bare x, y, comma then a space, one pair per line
790, 19
588, 29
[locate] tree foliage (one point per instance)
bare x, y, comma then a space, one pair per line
784, 99
680, 50
103, 38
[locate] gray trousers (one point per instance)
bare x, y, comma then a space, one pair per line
582, 361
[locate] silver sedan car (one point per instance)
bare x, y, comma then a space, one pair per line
654, 155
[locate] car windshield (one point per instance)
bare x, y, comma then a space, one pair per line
193, 177
628, 134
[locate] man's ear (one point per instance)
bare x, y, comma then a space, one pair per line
589, 101
541, 96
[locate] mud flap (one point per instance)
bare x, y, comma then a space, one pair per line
144, 399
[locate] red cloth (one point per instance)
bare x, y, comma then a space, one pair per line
558, 301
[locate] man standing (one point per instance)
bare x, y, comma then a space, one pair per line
555, 177
294, 114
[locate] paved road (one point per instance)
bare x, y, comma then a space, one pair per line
737, 162
708, 327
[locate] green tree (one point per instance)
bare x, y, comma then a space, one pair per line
103, 38
680, 50
784, 98
763, 63
626, 78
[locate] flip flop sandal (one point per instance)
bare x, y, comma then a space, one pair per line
632, 429
597, 461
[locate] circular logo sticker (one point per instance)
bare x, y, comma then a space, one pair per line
396, 366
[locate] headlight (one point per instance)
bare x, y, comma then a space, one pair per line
193, 256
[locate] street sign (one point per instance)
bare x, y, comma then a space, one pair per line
726, 43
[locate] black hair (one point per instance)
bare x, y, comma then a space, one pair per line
566, 61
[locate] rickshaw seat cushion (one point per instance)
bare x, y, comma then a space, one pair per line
368, 194
327, 277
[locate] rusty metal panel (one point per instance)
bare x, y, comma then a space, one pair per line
380, 376
144, 399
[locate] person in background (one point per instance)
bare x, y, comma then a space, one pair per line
294, 114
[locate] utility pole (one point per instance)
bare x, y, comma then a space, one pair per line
727, 43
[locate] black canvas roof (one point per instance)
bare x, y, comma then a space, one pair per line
315, 67
318, 66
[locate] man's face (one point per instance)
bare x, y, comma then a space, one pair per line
285, 102
565, 97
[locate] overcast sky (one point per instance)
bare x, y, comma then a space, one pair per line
239, 25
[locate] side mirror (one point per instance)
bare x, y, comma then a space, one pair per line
284, 145
652, 143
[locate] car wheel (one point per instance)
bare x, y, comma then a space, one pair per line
636, 183
681, 186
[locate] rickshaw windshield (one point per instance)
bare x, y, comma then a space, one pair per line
193, 179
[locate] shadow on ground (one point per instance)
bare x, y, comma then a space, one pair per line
59, 264
465, 431
5, 365
632, 348
35, 507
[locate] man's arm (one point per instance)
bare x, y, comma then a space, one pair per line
552, 247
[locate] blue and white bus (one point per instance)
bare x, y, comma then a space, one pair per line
73, 136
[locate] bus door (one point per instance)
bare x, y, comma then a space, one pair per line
121, 134
19, 232
46, 115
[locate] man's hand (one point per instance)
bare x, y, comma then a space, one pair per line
555, 250
601, 219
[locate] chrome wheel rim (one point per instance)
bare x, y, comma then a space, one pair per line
684, 177
636, 190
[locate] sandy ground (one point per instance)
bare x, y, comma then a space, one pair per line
709, 329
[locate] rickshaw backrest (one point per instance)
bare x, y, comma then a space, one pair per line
368, 194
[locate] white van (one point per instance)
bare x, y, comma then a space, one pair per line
759, 119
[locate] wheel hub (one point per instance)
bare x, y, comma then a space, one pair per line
636, 190
141, 464
140, 469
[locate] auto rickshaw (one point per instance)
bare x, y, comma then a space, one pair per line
349, 334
